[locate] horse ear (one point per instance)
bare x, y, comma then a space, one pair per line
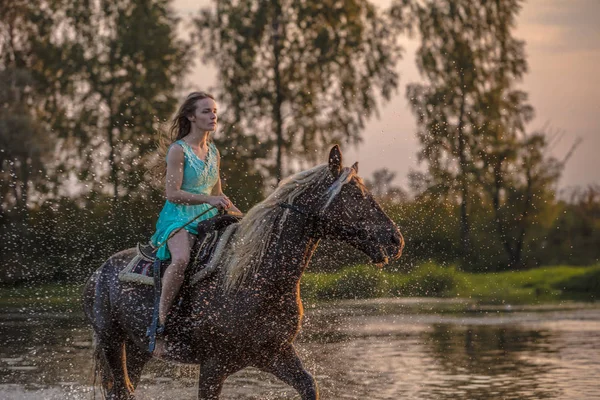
355, 167
335, 160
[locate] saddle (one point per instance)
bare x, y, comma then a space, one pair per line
141, 268
146, 268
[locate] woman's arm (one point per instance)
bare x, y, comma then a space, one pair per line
175, 160
218, 189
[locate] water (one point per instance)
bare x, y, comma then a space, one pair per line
375, 349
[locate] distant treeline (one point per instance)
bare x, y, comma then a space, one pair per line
86, 88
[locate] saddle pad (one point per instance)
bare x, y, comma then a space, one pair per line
139, 270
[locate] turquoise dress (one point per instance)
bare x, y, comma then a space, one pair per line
199, 177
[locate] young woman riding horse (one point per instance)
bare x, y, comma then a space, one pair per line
193, 185
248, 311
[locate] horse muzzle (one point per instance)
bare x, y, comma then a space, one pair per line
389, 248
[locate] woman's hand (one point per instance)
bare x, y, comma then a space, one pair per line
221, 202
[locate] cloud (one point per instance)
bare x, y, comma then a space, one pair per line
557, 25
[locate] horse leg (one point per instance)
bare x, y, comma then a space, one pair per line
212, 376
287, 366
114, 370
136, 358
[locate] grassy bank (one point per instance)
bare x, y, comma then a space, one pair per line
547, 284
49, 297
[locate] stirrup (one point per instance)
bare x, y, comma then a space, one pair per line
154, 333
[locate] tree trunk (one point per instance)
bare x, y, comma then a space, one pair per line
24, 211
500, 228
465, 228
277, 118
114, 172
516, 260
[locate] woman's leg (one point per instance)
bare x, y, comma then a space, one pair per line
180, 246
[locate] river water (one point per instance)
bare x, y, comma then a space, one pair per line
373, 349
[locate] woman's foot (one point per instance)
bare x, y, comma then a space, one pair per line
160, 349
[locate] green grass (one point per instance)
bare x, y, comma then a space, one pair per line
41, 297
364, 281
540, 285
545, 284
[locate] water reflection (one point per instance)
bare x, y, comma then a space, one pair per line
357, 350
492, 361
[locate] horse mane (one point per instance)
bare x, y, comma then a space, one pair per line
250, 237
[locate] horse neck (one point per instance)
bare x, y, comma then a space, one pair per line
287, 256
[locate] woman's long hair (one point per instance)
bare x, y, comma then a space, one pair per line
180, 127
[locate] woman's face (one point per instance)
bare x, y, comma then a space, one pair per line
205, 116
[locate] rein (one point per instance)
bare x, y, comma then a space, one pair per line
186, 224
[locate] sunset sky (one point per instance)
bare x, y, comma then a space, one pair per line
563, 49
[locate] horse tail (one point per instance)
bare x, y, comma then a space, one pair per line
94, 296
101, 369
107, 339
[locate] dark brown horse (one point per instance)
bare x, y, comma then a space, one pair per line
249, 311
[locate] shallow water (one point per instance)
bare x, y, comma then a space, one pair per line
375, 349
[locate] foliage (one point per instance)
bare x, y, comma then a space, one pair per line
430, 280
26, 139
471, 123
547, 284
359, 282
72, 237
84, 86
382, 188
430, 228
586, 285
130, 61
573, 236
298, 75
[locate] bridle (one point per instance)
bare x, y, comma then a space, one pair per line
321, 227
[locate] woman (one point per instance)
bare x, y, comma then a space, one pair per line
193, 185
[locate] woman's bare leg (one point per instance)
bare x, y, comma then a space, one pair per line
180, 246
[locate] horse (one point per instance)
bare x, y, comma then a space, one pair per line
248, 312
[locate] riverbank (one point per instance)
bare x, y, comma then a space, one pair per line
540, 285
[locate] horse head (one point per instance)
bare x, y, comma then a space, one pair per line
349, 213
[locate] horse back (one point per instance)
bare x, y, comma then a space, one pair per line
111, 305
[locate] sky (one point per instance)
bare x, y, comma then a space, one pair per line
563, 51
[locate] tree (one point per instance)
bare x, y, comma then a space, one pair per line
82, 89
574, 236
383, 189
130, 62
466, 52
443, 106
472, 120
299, 75
522, 189
516, 172
25, 140
25, 137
